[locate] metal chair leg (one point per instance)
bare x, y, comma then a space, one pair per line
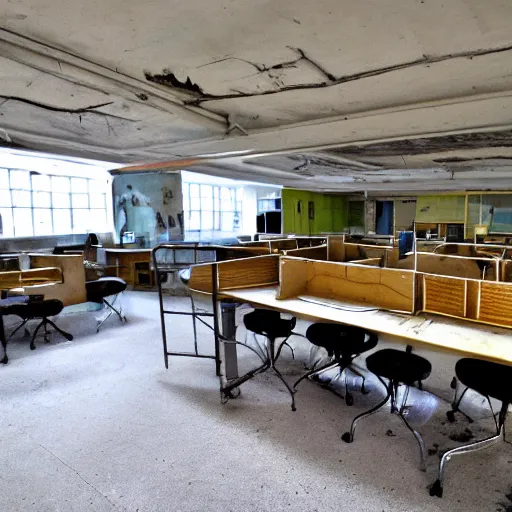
17, 329
323, 368
419, 439
101, 322
437, 487
194, 326
32, 341
348, 437
118, 313
271, 354
66, 335
450, 415
354, 370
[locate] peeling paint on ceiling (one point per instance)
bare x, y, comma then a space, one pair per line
327, 95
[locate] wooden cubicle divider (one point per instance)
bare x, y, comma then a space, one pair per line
318, 252
240, 273
338, 249
32, 277
380, 287
451, 265
487, 302
72, 288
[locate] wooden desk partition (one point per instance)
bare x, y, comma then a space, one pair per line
231, 274
487, 302
33, 277
380, 287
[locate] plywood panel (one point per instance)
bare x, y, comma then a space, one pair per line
336, 248
371, 262
495, 303
313, 253
293, 277
283, 245
248, 272
72, 289
201, 278
384, 288
444, 295
240, 273
446, 265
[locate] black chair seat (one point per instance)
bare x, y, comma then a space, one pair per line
269, 323
104, 287
340, 339
39, 309
399, 366
488, 379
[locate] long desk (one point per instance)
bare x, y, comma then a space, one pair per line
426, 331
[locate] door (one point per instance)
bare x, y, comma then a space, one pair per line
384, 211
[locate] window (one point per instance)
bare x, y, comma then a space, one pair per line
211, 210
33, 204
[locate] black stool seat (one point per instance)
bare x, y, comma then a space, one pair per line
488, 379
269, 323
104, 287
39, 309
399, 366
340, 339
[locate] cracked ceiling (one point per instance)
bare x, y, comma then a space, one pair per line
332, 95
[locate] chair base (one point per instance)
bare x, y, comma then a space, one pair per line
437, 487
343, 365
110, 309
391, 395
44, 324
269, 358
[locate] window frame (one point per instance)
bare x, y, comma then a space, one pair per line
91, 189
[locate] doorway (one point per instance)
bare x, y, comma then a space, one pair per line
384, 217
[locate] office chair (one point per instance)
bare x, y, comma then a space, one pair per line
398, 368
38, 310
270, 324
343, 344
492, 380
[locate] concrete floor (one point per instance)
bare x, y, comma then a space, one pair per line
98, 424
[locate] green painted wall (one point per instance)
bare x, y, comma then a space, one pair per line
441, 209
331, 212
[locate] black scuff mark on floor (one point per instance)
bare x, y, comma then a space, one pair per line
169, 79
506, 506
462, 437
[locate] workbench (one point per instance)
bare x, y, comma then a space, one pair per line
423, 330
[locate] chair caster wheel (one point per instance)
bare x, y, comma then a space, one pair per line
294, 408
32, 346
450, 416
347, 437
365, 391
436, 489
4, 360
453, 383
349, 400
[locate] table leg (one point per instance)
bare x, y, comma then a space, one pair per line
3, 339
229, 356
